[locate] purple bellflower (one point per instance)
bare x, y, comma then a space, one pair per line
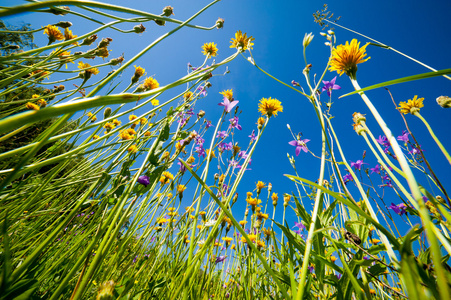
330, 85
144, 180
300, 145
399, 209
228, 106
358, 164
404, 137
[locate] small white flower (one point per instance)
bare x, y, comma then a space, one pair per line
210, 223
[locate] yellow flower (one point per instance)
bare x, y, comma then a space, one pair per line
42, 103
411, 106
95, 137
32, 106
233, 247
124, 135
253, 201
252, 237
267, 232
241, 41
333, 258
108, 126
89, 71
166, 177
169, 196
147, 133
69, 36
243, 222
35, 96
375, 241
143, 121
132, 149
116, 122
150, 84
155, 102
270, 106
190, 160
181, 188
209, 49
260, 185
346, 57
260, 244
261, 216
172, 213
139, 71
228, 94
227, 240
187, 95
54, 33
274, 197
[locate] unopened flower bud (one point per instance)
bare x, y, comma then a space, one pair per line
59, 10
160, 22
107, 112
330, 32
104, 42
286, 200
64, 24
235, 198
323, 33
89, 40
201, 114
444, 101
307, 39
116, 61
358, 117
219, 23
167, 11
139, 28
269, 187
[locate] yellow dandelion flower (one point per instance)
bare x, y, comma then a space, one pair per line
190, 160
260, 185
261, 216
139, 71
375, 241
187, 95
150, 84
116, 122
108, 126
412, 106
69, 36
155, 102
233, 247
95, 137
253, 201
35, 96
274, 197
333, 258
227, 239
42, 103
346, 57
241, 41
209, 49
147, 133
89, 70
242, 223
32, 106
172, 213
124, 135
53, 33
132, 149
260, 244
227, 94
181, 188
169, 196
143, 121
252, 237
270, 107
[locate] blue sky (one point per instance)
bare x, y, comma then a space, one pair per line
417, 28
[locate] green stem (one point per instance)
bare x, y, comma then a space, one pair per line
417, 114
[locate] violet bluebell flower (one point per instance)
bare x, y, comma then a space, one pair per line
330, 85
252, 136
202, 90
182, 167
151, 240
399, 209
404, 137
311, 269
347, 177
234, 123
144, 180
299, 225
294, 83
242, 154
300, 145
358, 164
376, 169
208, 124
200, 151
233, 163
220, 258
338, 276
383, 141
366, 257
222, 135
228, 106
416, 149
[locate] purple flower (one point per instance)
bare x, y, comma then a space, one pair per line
294, 83
234, 123
399, 209
383, 141
144, 180
404, 137
366, 257
228, 106
182, 167
416, 149
338, 276
299, 225
225, 146
200, 150
376, 169
220, 259
202, 90
330, 85
358, 164
242, 154
222, 135
311, 269
347, 177
252, 136
208, 124
300, 145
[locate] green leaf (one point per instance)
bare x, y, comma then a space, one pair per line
401, 80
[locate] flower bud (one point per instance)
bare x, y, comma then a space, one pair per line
444, 101
104, 43
286, 200
167, 11
64, 24
201, 114
219, 23
106, 112
116, 61
160, 22
59, 11
106, 291
89, 40
307, 39
323, 33
139, 28
358, 117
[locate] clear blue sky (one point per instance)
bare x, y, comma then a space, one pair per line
417, 28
